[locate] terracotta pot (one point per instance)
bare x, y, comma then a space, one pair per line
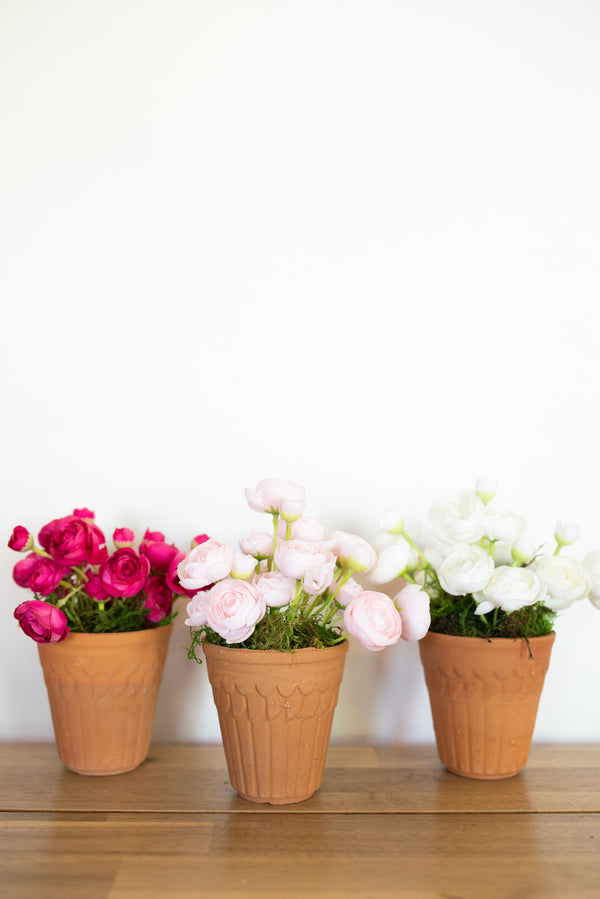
484, 697
275, 712
102, 690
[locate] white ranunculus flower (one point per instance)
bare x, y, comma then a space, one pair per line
392, 562
566, 533
522, 551
565, 579
392, 521
458, 518
499, 524
485, 488
465, 570
510, 589
591, 564
501, 553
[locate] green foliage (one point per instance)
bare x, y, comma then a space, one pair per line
85, 615
277, 631
456, 615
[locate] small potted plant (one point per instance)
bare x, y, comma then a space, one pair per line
102, 622
495, 596
273, 622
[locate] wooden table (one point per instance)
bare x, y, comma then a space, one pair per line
386, 823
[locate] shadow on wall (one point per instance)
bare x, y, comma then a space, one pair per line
383, 698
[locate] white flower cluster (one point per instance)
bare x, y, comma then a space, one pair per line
480, 550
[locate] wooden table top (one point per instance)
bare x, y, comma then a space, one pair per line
389, 822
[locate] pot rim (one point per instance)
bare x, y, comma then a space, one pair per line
490, 641
265, 656
120, 637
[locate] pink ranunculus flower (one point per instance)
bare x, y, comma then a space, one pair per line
20, 540
304, 528
123, 537
198, 539
39, 574
276, 589
258, 544
295, 557
124, 573
413, 604
197, 608
349, 591
94, 589
76, 541
273, 495
159, 554
154, 536
172, 578
205, 564
353, 552
373, 619
243, 566
42, 621
318, 578
159, 601
84, 513
234, 609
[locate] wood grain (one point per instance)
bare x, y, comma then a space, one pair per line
400, 780
386, 823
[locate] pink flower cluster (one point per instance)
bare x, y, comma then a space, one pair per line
296, 569
73, 561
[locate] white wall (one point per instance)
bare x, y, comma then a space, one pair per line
351, 244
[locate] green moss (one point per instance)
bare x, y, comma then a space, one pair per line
85, 616
456, 615
277, 632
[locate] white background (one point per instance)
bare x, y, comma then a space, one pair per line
353, 244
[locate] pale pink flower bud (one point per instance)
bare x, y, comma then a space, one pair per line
275, 589
204, 564
413, 605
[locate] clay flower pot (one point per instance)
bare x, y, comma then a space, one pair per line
102, 690
275, 712
484, 697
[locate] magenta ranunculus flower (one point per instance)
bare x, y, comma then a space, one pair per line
159, 600
154, 537
124, 573
20, 540
38, 573
159, 554
172, 578
42, 621
95, 589
84, 513
198, 539
123, 537
74, 541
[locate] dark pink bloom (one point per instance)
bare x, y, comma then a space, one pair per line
84, 513
159, 554
74, 541
154, 537
46, 533
42, 621
94, 589
159, 600
123, 537
38, 573
124, 573
20, 540
201, 538
172, 578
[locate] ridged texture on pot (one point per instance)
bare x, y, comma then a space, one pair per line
102, 690
484, 697
275, 712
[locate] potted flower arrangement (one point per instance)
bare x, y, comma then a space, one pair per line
273, 621
102, 622
494, 599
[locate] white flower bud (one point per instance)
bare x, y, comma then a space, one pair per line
566, 533
485, 488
